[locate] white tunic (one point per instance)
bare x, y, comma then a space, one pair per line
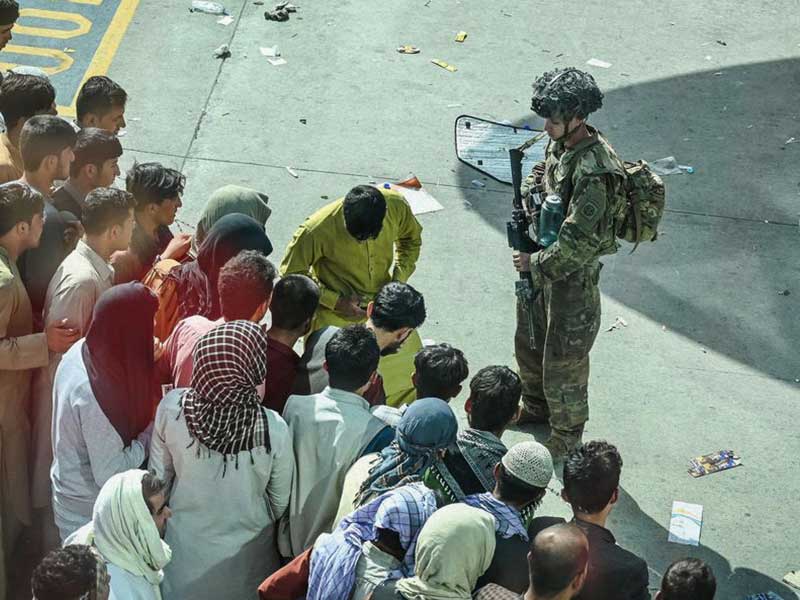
329, 432
222, 529
87, 449
127, 586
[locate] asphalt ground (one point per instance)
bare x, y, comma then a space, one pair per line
708, 359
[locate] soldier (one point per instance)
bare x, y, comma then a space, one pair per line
584, 170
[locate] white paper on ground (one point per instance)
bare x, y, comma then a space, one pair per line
596, 62
685, 523
275, 62
419, 199
226, 20
272, 51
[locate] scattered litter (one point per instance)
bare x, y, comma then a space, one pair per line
507, 14
324, 197
625, 74
281, 12
718, 73
225, 114
444, 65
559, 55
685, 523
791, 140
618, 323
258, 2
292, 172
122, 133
663, 328
713, 463
707, 57
428, 342
596, 62
765, 596
407, 49
271, 51
222, 52
784, 293
418, 198
456, 105
276, 62
304, 121
69, 50
721, 43
134, 119
461, 36
669, 166
226, 20
793, 579
477, 183
209, 8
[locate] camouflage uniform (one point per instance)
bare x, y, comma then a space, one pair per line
566, 309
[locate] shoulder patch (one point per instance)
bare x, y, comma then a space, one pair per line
590, 210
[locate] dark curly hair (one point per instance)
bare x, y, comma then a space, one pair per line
566, 93
65, 574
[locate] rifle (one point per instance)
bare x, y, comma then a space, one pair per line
517, 231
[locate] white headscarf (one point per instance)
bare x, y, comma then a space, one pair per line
123, 530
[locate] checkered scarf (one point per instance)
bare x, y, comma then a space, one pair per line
507, 519
333, 562
222, 407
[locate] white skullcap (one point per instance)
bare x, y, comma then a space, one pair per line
530, 462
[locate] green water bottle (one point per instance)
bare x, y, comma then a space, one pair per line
550, 220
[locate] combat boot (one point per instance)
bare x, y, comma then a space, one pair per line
563, 441
534, 412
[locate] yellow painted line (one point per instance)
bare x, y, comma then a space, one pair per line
92, 2
63, 59
106, 49
83, 24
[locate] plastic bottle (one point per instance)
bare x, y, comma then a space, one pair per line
210, 8
550, 220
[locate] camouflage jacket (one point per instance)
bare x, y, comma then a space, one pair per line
596, 204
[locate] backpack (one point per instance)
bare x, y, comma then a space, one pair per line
165, 289
645, 198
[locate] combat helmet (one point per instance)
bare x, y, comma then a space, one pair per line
567, 92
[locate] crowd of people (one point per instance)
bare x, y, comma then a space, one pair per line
161, 436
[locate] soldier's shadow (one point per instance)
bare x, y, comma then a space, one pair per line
728, 252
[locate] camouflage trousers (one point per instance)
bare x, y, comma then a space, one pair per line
555, 373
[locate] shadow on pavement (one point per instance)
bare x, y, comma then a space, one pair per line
719, 274
645, 537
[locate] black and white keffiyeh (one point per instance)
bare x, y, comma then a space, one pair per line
222, 407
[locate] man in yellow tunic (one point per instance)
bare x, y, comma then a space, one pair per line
352, 247
21, 351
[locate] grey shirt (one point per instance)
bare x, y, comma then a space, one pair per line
87, 449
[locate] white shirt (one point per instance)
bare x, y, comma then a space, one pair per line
87, 449
127, 586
